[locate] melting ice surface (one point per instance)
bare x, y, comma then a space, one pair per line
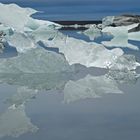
121, 36
69, 69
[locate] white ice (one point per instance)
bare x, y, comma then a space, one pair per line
18, 18
85, 53
21, 42
93, 32
121, 36
36, 60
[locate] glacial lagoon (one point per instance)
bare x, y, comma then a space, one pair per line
67, 84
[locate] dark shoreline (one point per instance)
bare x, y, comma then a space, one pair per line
82, 23
78, 22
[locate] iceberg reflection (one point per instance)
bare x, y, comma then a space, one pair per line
14, 122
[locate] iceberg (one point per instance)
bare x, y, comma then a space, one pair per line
20, 28
120, 37
36, 60
43, 33
1, 42
134, 36
14, 16
124, 63
20, 19
21, 42
14, 122
93, 32
89, 54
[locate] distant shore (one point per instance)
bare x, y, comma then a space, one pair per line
66, 24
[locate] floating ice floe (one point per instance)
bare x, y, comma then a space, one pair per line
14, 122
19, 19
124, 63
43, 33
1, 42
22, 31
121, 36
93, 32
13, 16
134, 36
36, 60
21, 42
85, 53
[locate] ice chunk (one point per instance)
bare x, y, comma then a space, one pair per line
1, 42
13, 16
43, 33
1, 47
19, 19
34, 24
6, 30
36, 60
107, 21
128, 77
89, 87
85, 53
121, 37
134, 36
93, 32
21, 42
125, 62
14, 122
